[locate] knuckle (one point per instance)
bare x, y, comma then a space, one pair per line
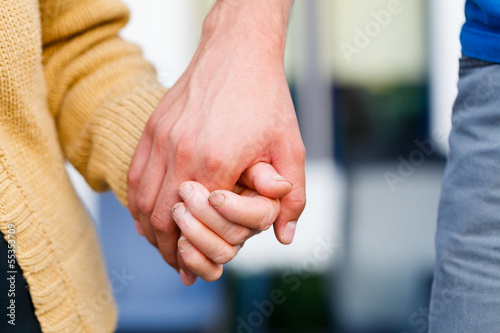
152, 124
133, 177
158, 221
184, 148
266, 220
223, 255
297, 152
144, 203
298, 205
237, 235
161, 138
213, 161
301, 152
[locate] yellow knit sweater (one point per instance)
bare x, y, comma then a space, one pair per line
70, 90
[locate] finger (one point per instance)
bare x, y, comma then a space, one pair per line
293, 204
208, 242
248, 209
197, 262
196, 197
147, 193
136, 177
166, 231
186, 274
136, 169
263, 178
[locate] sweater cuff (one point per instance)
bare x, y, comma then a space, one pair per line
118, 134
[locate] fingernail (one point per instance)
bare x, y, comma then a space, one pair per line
185, 190
217, 199
184, 245
283, 179
289, 232
178, 211
139, 229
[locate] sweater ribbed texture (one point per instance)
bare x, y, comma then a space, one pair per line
71, 90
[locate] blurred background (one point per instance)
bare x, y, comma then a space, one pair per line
373, 83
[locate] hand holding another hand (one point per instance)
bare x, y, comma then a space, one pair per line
215, 226
230, 110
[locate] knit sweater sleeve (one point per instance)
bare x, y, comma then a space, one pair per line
101, 91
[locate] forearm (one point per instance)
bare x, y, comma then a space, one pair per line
259, 23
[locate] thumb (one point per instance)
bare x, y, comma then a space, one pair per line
263, 178
294, 203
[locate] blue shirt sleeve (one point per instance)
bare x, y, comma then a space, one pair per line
480, 35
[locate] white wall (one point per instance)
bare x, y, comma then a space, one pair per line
446, 19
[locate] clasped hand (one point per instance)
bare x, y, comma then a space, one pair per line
230, 111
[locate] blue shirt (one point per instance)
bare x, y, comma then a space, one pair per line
480, 35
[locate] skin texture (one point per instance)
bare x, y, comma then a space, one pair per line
229, 111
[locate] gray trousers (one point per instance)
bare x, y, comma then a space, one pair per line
466, 289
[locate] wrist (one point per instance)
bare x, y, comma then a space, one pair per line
259, 23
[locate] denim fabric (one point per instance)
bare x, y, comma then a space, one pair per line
466, 288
